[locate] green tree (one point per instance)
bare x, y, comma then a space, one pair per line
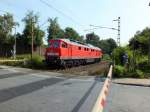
6, 38
31, 22
6, 25
93, 39
54, 30
39, 36
104, 45
140, 41
70, 33
108, 45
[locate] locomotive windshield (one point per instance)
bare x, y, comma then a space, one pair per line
54, 44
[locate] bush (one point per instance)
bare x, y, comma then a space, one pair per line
117, 55
106, 57
139, 74
144, 66
36, 62
119, 71
136, 74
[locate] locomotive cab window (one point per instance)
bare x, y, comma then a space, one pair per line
64, 45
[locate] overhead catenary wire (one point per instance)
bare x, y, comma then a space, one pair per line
60, 12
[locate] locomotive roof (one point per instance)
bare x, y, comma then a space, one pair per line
80, 44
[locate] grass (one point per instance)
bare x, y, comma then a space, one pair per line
36, 62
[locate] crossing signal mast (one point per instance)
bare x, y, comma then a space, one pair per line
118, 38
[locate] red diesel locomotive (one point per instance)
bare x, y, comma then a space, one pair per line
67, 52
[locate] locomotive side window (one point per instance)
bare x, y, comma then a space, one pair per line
79, 48
64, 45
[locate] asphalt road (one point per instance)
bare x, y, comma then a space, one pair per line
123, 98
35, 91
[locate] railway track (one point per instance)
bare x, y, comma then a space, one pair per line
90, 69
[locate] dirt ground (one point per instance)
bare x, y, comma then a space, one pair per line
91, 69
95, 69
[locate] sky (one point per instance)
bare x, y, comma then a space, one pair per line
80, 14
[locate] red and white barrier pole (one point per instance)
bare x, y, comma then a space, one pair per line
99, 105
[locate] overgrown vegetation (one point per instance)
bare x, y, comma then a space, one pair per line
106, 57
25, 61
137, 65
37, 62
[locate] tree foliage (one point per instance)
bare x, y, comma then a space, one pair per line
106, 45
54, 30
140, 41
92, 38
6, 25
70, 33
31, 23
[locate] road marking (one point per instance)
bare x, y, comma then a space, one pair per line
38, 75
13, 92
101, 100
8, 68
83, 99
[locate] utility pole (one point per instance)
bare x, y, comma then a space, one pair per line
149, 51
118, 38
15, 44
149, 48
32, 36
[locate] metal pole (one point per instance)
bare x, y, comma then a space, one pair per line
149, 47
15, 45
32, 46
118, 40
149, 52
